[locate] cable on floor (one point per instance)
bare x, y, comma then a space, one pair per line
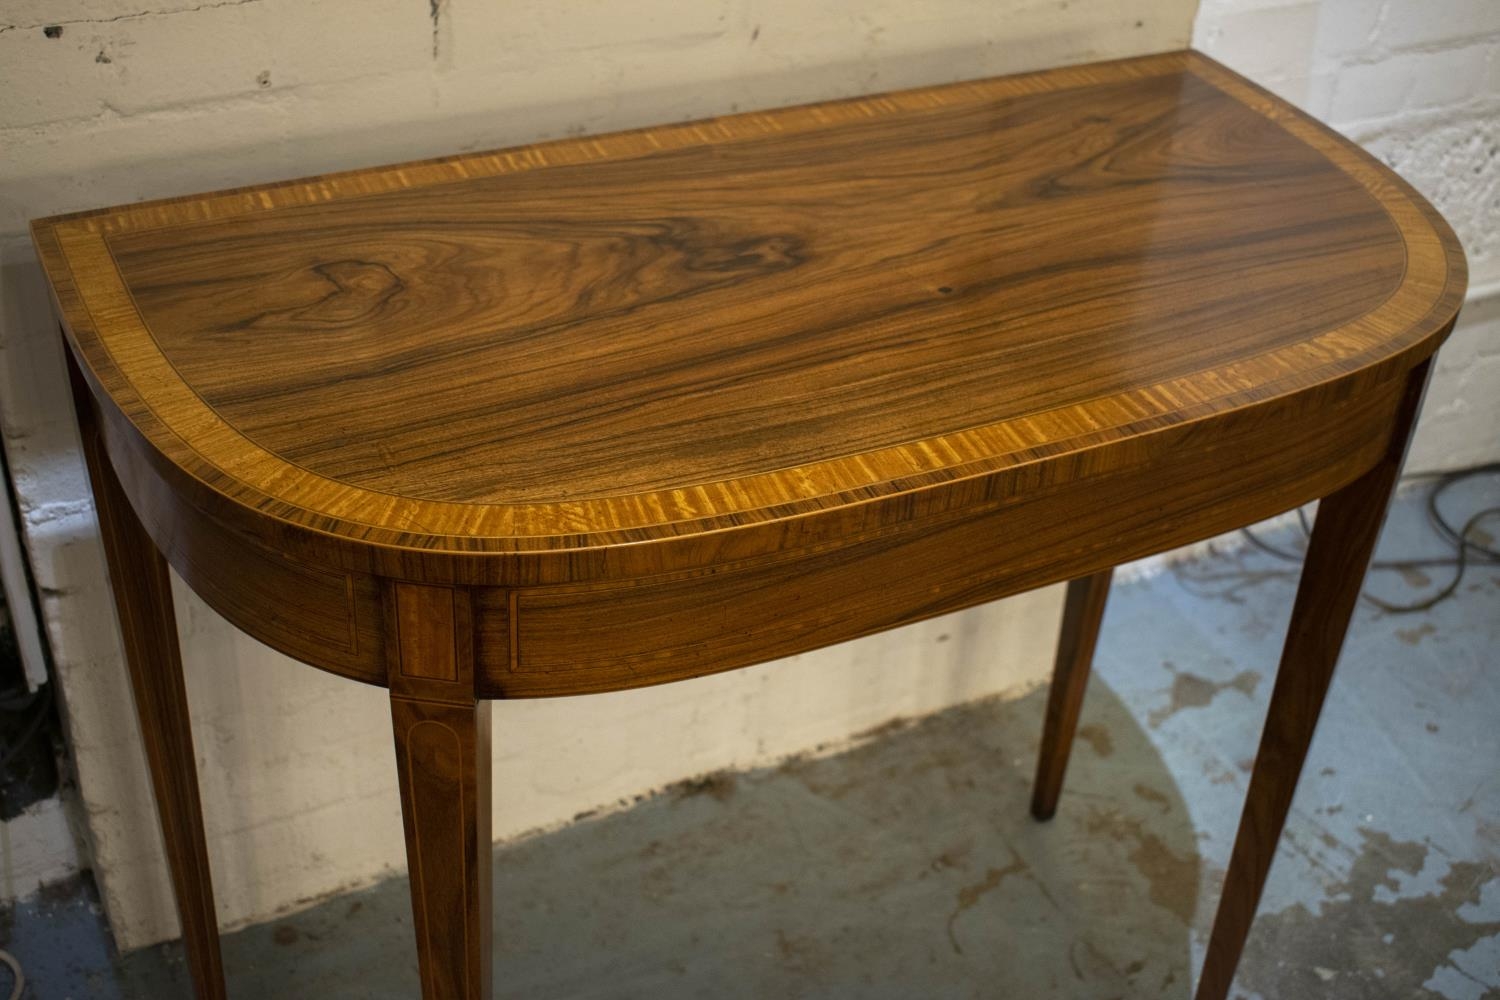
6, 958
1467, 552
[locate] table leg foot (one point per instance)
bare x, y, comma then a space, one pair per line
142, 589
1083, 612
1344, 536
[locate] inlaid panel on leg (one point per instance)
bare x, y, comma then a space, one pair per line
442, 736
442, 757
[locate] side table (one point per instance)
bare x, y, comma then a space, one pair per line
623, 410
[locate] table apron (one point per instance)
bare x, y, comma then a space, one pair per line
1151, 493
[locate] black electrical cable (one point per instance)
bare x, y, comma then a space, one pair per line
1444, 529
18, 978
1467, 551
1460, 564
1265, 546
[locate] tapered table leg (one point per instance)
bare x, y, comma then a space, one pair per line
1083, 611
443, 761
143, 603
1344, 535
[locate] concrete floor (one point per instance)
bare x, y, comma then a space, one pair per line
907, 866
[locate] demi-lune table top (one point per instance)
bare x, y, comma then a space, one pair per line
654, 333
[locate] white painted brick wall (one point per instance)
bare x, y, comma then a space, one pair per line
1417, 82
144, 98
138, 99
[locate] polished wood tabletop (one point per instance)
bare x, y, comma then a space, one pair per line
619, 410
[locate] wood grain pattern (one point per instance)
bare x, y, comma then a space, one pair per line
770, 316
1343, 541
142, 589
1083, 613
553, 290
427, 632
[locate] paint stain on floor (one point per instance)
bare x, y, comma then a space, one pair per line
1148, 794
1361, 941
971, 894
1172, 877
1192, 691
1412, 636
1097, 737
